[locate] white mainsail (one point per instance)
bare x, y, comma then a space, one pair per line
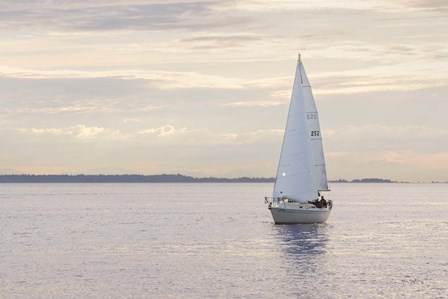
301, 170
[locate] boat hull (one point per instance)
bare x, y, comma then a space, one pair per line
288, 215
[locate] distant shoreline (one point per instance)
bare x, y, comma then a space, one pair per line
161, 178
125, 178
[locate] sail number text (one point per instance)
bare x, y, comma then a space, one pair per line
315, 133
311, 116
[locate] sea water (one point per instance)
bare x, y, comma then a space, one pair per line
219, 241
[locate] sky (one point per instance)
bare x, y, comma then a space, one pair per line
202, 88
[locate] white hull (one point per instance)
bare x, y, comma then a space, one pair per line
299, 213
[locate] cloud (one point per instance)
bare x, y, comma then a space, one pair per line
163, 131
249, 104
259, 136
47, 131
221, 41
438, 159
75, 108
439, 6
179, 135
160, 79
93, 106
84, 132
292, 5
379, 78
375, 137
185, 136
80, 131
436, 6
131, 120
105, 16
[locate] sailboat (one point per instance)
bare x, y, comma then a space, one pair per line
301, 173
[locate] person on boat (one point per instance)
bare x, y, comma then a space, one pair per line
315, 202
323, 202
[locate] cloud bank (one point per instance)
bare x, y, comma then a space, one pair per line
202, 87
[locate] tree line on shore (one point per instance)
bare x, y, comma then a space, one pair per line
124, 178
159, 178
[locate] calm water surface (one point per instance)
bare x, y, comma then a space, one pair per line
219, 241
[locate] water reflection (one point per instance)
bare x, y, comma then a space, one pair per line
302, 239
302, 249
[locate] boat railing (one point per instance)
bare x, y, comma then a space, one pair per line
273, 201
